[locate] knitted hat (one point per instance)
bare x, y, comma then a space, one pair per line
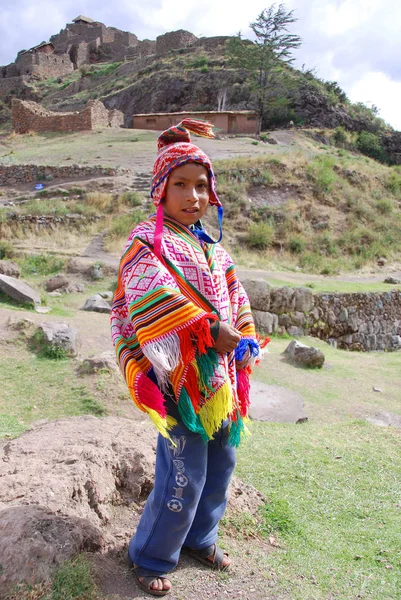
174, 150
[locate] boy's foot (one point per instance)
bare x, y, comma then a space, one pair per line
212, 556
157, 584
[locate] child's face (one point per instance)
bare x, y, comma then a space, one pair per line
187, 193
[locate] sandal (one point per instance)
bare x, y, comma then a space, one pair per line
203, 555
147, 579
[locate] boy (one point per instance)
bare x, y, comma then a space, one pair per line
185, 339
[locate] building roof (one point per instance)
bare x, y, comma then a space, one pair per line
83, 18
36, 47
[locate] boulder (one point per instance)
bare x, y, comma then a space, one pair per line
34, 542
258, 291
97, 304
282, 300
7, 267
103, 362
18, 290
265, 322
59, 335
95, 272
56, 282
78, 484
304, 356
392, 280
303, 299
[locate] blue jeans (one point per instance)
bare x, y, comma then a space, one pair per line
188, 500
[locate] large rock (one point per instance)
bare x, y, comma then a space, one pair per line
34, 541
7, 267
265, 322
56, 282
97, 304
276, 404
59, 335
303, 299
304, 356
18, 290
80, 482
282, 300
258, 291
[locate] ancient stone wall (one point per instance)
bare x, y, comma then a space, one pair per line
173, 40
30, 116
360, 321
12, 85
211, 43
15, 174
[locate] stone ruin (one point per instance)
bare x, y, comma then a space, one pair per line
30, 116
85, 41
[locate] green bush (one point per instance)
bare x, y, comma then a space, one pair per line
322, 174
370, 144
385, 206
393, 182
41, 264
296, 245
122, 225
340, 137
131, 198
259, 235
6, 250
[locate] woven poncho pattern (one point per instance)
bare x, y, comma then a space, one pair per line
160, 321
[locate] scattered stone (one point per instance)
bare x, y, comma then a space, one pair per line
276, 404
55, 294
43, 310
9, 268
381, 262
376, 389
56, 282
97, 304
258, 291
106, 295
59, 335
24, 325
95, 272
73, 288
385, 419
392, 280
304, 356
105, 361
18, 290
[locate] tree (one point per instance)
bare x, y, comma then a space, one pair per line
266, 57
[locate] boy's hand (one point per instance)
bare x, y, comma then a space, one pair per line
227, 340
240, 364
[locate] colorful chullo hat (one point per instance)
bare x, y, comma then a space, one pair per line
174, 150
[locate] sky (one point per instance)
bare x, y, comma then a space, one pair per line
354, 42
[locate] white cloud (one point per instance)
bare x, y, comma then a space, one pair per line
378, 89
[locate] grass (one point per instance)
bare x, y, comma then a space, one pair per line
34, 388
333, 503
332, 484
73, 580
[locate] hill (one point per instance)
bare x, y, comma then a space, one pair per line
177, 71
